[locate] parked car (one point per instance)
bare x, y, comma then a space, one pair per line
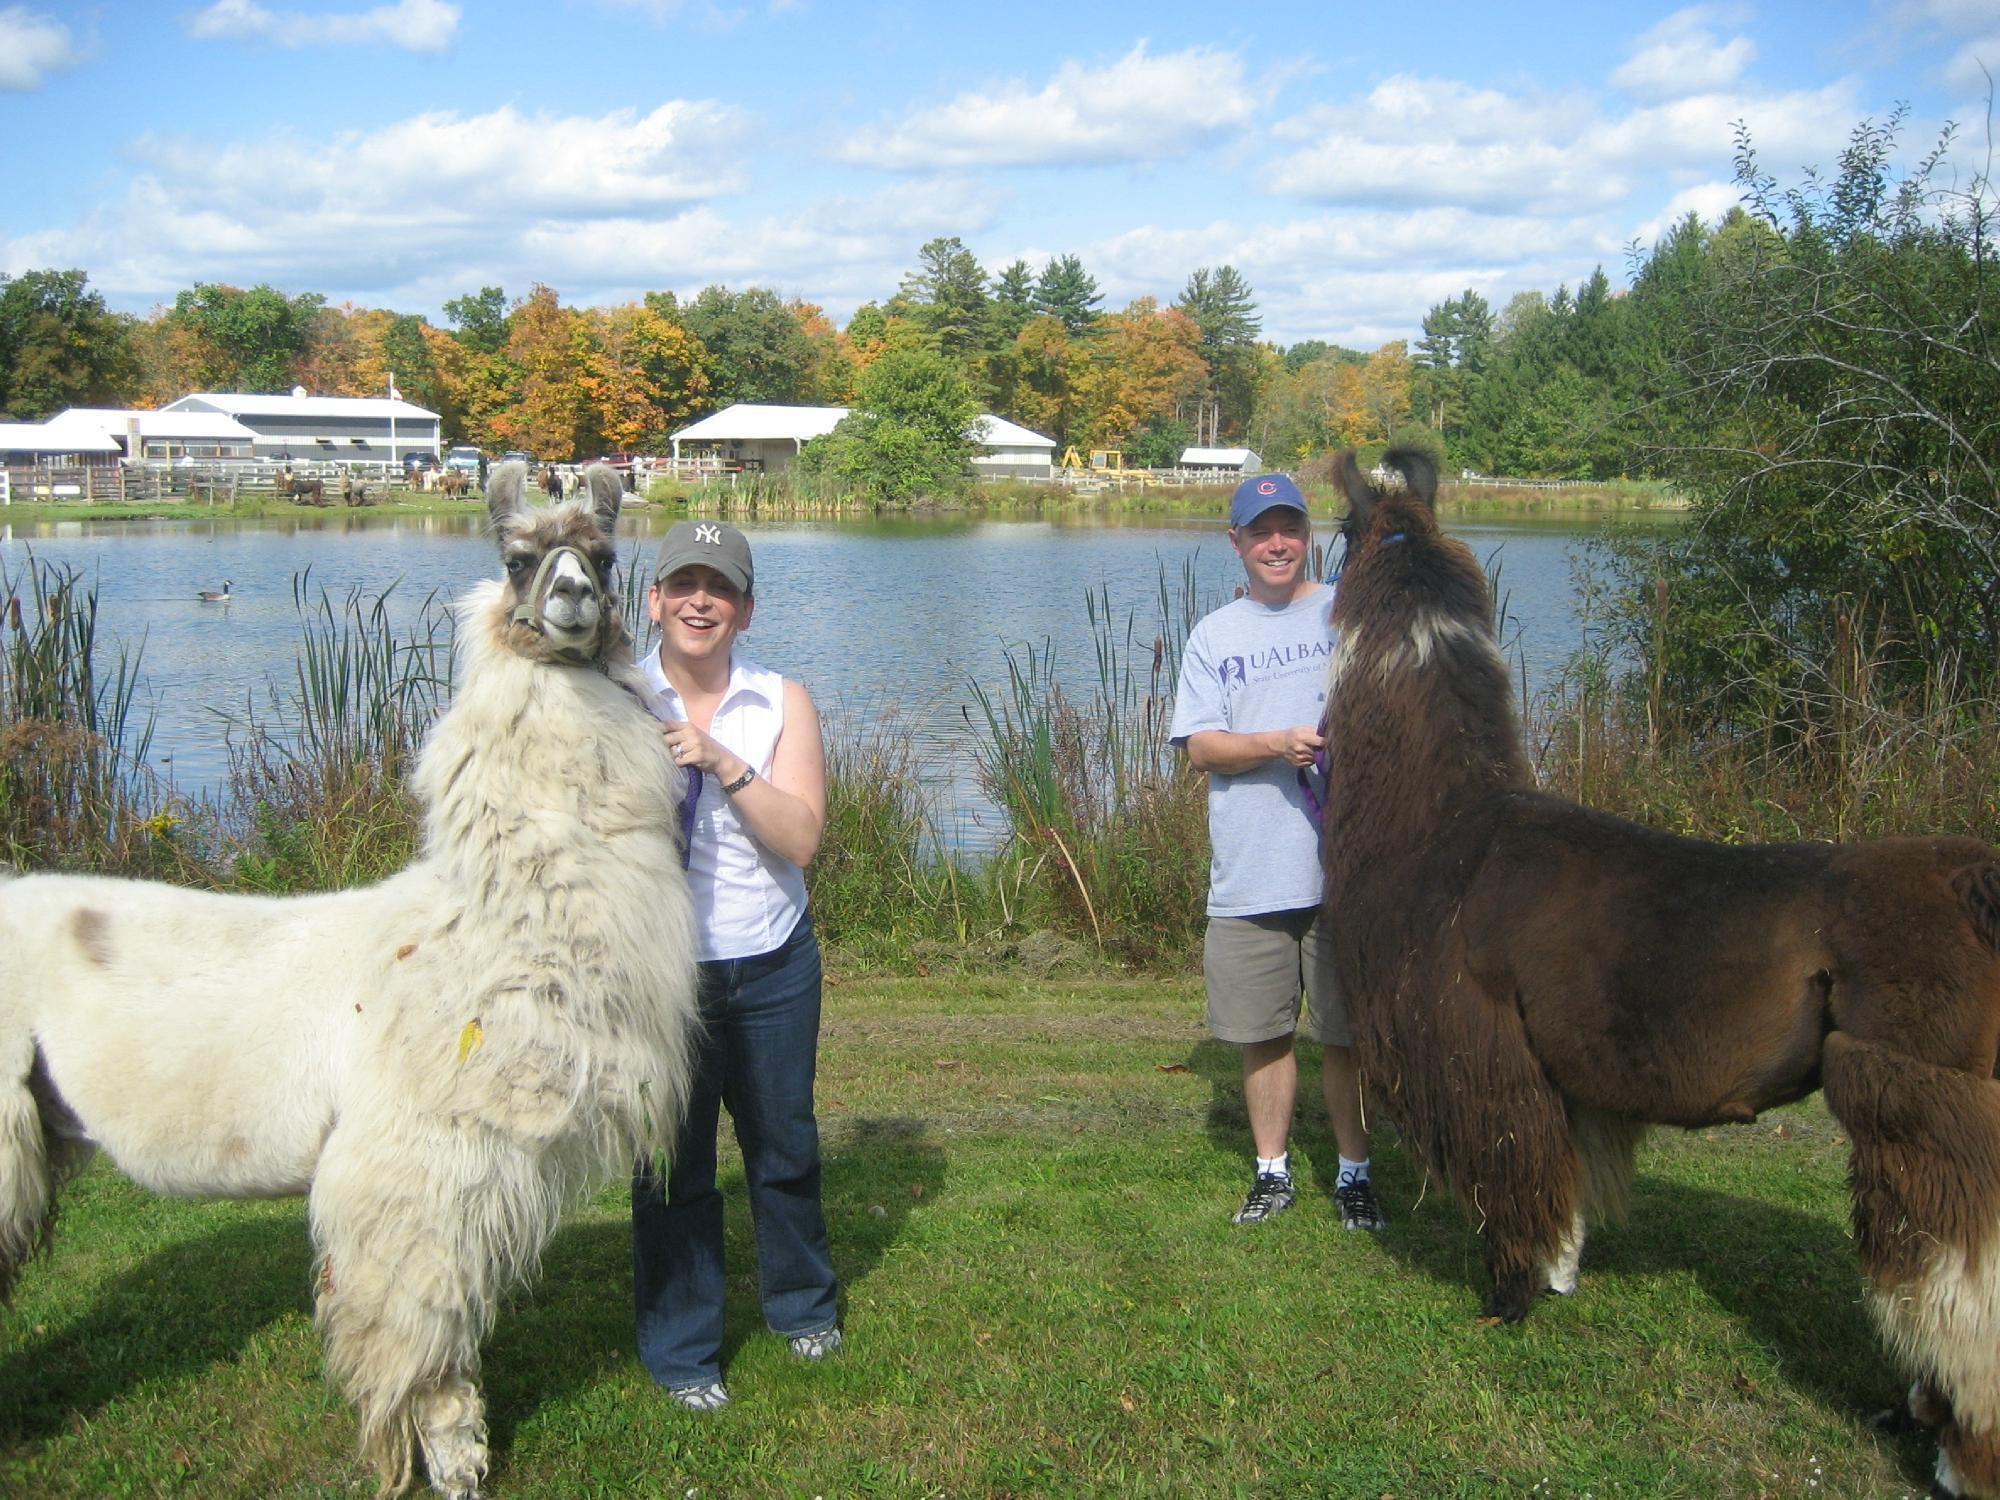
471, 460
419, 462
513, 453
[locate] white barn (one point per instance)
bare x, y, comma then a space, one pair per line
323, 429
758, 438
1009, 449
26, 443
768, 439
1232, 460
164, 435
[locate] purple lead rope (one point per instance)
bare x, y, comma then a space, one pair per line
1322, 765
689, 797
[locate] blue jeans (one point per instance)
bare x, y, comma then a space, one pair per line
758, 1056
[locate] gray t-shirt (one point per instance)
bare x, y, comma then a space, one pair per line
1250, 667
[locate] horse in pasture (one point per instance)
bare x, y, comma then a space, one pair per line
442, 1062
1533, 983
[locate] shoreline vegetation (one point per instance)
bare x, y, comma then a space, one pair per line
1105, 861
781, 498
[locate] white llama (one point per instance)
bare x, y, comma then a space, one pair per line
442, 1062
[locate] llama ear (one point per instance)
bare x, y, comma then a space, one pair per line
606, 495
1419, 471
503, 490
1360, 493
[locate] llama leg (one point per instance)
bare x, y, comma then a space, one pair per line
407, 1284
1475, 1104
27, 1186
1559, 1276
1927, 1219
1605, 1145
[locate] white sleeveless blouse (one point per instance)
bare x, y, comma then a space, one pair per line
746, 899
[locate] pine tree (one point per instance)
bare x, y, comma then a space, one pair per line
1065, 290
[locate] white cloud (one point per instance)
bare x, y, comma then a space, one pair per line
416, 25
1359, 278
1140, 108
1958, 17
31, 47
1974, 69
1708, 200
1415, 142
1682, 56
371, 219
505, 161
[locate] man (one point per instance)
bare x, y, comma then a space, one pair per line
1247, 710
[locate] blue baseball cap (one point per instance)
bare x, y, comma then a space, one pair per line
1255, 496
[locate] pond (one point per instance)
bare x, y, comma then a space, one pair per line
875, 617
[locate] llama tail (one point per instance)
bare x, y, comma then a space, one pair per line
27, 1181
1925, 1173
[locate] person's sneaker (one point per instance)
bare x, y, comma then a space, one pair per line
816, 1345
1358, 1208
1270, 1194
705, 1396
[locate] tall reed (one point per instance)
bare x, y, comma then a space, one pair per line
322, 775
1108, 825
883, 879
1851, 756
75, 792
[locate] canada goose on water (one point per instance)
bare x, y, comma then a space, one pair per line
216, 596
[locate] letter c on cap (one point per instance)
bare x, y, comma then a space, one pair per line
1268, 487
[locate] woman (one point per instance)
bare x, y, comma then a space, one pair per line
753, 739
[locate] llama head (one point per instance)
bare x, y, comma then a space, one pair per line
1408, 498
1401, 571
560, 598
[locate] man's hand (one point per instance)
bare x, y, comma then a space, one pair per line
1297, 745
1230, 754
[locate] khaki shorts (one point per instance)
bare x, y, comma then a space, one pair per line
1258, 967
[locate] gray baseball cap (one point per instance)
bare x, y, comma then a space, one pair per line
707, 544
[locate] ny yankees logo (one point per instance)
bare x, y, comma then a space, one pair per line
709, 534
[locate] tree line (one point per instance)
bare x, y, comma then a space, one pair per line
532, 372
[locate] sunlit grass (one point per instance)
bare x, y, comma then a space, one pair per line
1028, 1185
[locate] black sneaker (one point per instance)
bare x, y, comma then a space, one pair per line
1358, 1208
1270, 1194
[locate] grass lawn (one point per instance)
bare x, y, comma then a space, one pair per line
1029, 1186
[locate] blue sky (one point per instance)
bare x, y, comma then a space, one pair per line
1356, 163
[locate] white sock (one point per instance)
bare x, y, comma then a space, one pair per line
1276, 1166
1353, 1171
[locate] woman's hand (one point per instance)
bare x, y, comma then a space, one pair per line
693, 750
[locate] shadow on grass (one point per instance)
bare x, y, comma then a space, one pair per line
204, 1299
576, 1323
1791, 1279
176, 1312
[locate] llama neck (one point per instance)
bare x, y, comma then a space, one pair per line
527, 777
1423, 731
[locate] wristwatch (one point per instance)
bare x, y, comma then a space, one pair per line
732, 787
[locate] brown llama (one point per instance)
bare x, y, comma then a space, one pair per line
1533, 983
305, 491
